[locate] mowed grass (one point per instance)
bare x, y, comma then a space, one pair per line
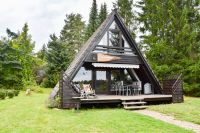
189, 110
28, 114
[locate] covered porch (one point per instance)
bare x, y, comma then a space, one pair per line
114, 79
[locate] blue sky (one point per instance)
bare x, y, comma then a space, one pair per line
44, 17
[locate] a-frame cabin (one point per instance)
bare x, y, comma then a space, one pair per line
109, 56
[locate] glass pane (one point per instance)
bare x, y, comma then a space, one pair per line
114, 35
127, 78
113, 42
101, 82
83, 77
115, 77
103, 42
126, 45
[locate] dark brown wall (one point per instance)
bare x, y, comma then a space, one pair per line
125, 59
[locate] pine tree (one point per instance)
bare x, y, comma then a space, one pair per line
10, 67
57, 60
93, 20
125, 9
171, 31
41, 54
102, 13
72, 34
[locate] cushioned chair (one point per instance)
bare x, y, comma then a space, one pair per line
87, 91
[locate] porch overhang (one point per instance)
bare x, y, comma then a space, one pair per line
109, 65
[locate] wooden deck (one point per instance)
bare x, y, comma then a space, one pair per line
120, 99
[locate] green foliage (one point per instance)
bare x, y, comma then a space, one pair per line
171, 31
16, 92
72, 34
93, 21
57, 60
36, 89
61, 51
41, 54
2, 93
25, 45
16, 59
102, 13
125, 9
10, 93
53, 103
10, 67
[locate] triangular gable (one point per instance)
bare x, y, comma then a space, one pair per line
95, 39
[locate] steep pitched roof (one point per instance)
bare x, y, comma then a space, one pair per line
89, 46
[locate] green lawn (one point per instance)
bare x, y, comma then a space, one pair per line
188, 111
28, 114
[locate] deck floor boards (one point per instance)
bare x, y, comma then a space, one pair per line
119, 98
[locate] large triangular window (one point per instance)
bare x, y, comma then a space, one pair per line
114, 42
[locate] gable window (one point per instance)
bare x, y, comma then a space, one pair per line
114, 42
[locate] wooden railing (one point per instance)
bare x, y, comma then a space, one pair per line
173, 85
67, 92
177, 83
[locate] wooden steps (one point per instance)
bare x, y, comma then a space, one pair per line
135, 107
134, 104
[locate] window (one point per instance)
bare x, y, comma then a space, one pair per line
101, 82
113, 42
83, 77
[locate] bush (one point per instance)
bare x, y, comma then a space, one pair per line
35, 89
10, 93
53, 103
16, 92
2, 94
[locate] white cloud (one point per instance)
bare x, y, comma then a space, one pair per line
44, 17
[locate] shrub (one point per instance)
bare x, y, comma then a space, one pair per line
10, 93
35, 89
2, 94
16, 92
53, 103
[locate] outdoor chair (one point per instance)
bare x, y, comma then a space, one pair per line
127, 90
87, 91
119, 88
122, 89
137, 88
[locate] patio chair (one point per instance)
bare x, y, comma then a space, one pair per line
137, 87
119, 87
87, 91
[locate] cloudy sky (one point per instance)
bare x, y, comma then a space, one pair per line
44, 17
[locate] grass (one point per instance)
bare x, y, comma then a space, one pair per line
188, 111
28, 114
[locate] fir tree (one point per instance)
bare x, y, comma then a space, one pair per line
171, 30
57, 60
93, 20
102, 13
41, 54
72, 33
125, 9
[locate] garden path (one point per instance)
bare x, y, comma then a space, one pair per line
171, 120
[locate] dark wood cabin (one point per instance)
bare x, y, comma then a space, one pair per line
109, 56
